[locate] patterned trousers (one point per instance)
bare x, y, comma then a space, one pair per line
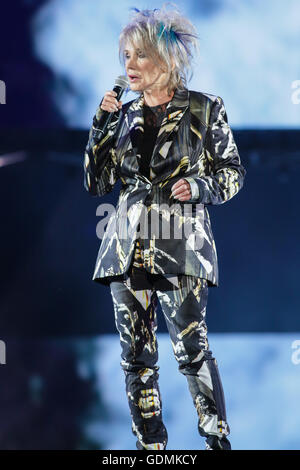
183, 301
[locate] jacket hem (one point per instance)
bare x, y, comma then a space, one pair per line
106, 280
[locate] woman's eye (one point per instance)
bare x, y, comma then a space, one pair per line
140, 56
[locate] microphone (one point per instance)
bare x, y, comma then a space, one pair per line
121, 84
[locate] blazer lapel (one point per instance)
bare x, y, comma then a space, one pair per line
174, 113
135, 121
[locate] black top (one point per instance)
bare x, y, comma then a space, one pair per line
153, 116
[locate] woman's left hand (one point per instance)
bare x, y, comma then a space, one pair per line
181, 190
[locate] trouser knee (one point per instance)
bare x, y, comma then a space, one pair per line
193, 362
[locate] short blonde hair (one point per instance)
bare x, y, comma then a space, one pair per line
165, 36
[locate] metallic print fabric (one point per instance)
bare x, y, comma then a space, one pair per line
183, 300
194, 141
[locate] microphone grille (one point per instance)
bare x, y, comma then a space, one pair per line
122, 81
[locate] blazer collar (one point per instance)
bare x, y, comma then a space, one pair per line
180, 100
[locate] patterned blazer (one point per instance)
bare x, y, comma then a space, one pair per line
194, 142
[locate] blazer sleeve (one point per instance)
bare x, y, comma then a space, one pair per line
228, 173
100, 163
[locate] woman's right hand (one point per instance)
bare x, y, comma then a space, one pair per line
110, 103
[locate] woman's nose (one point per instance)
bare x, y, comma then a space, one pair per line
130, 62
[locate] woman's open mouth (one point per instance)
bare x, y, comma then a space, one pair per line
133, 78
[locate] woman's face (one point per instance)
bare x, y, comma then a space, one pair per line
142, 71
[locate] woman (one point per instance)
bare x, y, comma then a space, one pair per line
174, 152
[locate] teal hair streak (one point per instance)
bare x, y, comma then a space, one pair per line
170, 36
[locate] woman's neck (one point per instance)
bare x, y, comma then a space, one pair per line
154, 98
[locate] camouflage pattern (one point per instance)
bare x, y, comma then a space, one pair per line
194, 142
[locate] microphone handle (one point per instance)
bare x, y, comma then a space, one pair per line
107, 116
